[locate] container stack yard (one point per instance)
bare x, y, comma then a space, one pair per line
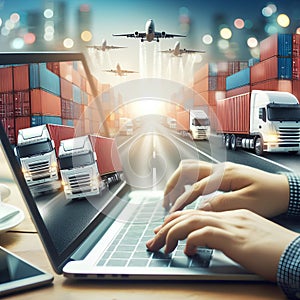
41, 93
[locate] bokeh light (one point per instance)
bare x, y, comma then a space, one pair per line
248, 24
48, 13
0, 21
17, 43
283, 20
29, 38
239, 23
223, 44
267, 12
207, 39
252, 42
226, 33
14, 18
86, 36
271, 29
68, 43
298, 30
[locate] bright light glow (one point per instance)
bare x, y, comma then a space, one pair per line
29, 38
298, 30
267, 11
255, 52
9, 24
5, 31
14, 18
68, 43
225, 33
146, 107
48, 36
0, 21
207, 39
49, 29
239, 23
48, 13
223, 44
273, 7
283, 20
271, 29
86, 36
17, 43
252, 42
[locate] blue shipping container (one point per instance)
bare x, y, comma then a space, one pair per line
41, 77
238, 79
285, 69
285, 44
40, 120
76, 94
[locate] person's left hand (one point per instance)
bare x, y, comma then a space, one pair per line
247, 238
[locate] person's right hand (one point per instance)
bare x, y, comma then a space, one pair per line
244, 187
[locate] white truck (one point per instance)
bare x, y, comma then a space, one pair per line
88, 164
125, 126
194, 122
171, 123
37, 149
260, 120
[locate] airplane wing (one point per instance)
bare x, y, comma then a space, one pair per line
94, 47
190, 51
129, 71
132, 35
167, 51
111, 71
114, 47
167, 35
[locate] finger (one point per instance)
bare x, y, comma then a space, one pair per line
209, 236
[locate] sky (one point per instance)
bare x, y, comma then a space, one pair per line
117, 16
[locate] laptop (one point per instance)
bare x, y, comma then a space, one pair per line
100, 236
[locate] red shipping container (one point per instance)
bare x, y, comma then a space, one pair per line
22, 103
210, 98
66, 90
6, 80
44, 103
6, 105
53, 67
296, 89
21, 78
76, 77
9, 127
273, 85
21, 123
296, 67
296, 45
66, 70
233, 114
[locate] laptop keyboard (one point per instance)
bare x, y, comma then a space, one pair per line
129, 247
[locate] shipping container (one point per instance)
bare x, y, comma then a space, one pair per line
21, 78
22, 103
234, 114
272, 68
296, 45
209, 97
237, 91
6, 105
6, 80
296, 67
296, 89
40, 120
66, 68
253, 61
76, 78
21, 123
66, 89
42, 78
44, 103
9, 127
276, 45
238, 79
281, 85
68, 122
53, 67
76, 94
67, 109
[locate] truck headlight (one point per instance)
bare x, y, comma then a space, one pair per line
53, 167
272, 138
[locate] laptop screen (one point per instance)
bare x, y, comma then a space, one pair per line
50, 112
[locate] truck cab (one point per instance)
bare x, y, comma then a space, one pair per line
199, 125
36, 151
275, 120
126, 126
78, 168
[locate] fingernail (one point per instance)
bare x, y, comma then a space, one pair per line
149, 243
205, 206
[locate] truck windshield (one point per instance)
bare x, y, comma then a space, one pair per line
77, 160
283, 112
34, 149
200, 122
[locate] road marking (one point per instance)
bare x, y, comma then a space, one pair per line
196, 149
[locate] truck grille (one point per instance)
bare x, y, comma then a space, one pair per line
289, 136
80, 183
201, 133
39, 170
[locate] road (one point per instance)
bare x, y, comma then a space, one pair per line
153, 153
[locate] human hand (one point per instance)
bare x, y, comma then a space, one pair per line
247, 238
245, 187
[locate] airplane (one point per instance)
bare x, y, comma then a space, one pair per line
150, 34
119, 71
104, 46
178, 52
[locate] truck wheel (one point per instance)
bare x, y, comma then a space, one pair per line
233, 142
258, 146
227, 141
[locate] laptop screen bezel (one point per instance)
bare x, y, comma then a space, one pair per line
57, 260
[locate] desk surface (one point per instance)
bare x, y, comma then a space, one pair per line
24, 241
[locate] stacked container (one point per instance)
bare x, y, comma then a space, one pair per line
41, 93
276, 70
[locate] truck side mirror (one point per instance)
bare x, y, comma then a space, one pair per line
262, 114
16, 151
